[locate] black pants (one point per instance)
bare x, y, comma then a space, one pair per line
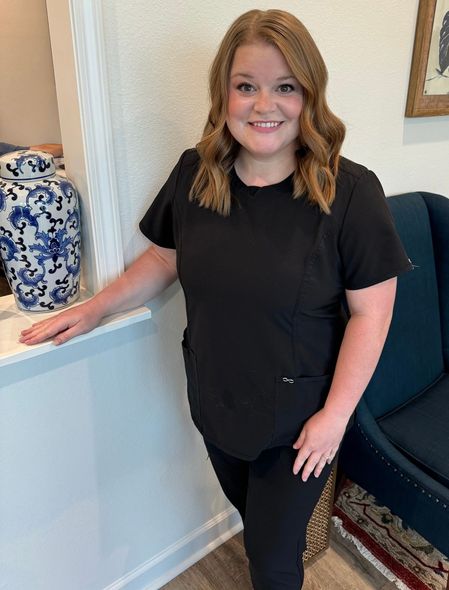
275, 507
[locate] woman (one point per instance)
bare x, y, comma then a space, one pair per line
270, 231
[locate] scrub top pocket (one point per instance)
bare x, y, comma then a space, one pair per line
297, 399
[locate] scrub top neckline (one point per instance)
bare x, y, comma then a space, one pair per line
284, 184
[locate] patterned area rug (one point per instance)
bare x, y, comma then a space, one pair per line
399, 552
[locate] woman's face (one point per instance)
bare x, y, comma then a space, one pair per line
264, 103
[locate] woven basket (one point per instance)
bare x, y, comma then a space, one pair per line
318, 529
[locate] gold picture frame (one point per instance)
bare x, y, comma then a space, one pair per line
428, 91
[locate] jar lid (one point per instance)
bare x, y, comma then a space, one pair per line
26, 165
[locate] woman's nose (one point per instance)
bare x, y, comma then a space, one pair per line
264, 102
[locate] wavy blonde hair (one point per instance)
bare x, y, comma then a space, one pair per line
321, 133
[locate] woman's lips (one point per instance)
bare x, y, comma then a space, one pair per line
265, 126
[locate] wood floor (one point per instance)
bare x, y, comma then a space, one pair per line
340, 568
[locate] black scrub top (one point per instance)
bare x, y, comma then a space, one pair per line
264, 291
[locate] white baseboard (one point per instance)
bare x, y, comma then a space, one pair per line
179, 556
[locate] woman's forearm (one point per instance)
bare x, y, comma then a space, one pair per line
359, 354
146, 278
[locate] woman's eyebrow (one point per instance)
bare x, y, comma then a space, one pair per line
244, 75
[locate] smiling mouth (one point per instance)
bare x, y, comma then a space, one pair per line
266, 124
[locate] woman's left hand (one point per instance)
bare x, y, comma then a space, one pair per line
318, 442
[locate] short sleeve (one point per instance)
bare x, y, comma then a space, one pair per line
370, 248
158, 222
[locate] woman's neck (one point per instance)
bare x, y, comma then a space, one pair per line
261, 172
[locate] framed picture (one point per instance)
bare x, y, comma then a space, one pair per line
428, 91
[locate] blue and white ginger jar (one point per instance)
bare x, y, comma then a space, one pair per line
39, 232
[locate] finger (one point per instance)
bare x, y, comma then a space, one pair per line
45, 331
300, 459
308, 468
62, 337
299, 440
320, 466
312, 462
35, 327
35, 337
28, 330
35, 324
36, 332
331, 457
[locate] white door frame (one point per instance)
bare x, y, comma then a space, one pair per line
77, 40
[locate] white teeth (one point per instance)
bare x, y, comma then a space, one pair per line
266, 124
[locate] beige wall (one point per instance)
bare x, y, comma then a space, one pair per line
159, 53
28, 107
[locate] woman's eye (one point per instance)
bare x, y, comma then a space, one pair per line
245, 87
286, 88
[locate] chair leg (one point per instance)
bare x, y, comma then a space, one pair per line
447, 587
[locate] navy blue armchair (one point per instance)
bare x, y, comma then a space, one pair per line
398, 446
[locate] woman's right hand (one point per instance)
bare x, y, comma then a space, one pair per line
65, 325
147, 276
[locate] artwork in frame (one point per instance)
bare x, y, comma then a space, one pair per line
428, 92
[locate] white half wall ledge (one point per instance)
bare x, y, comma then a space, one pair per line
13, 321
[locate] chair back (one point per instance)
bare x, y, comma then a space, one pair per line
438, 209
412, 358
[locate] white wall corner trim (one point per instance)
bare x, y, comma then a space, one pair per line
182, 554
93, 95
